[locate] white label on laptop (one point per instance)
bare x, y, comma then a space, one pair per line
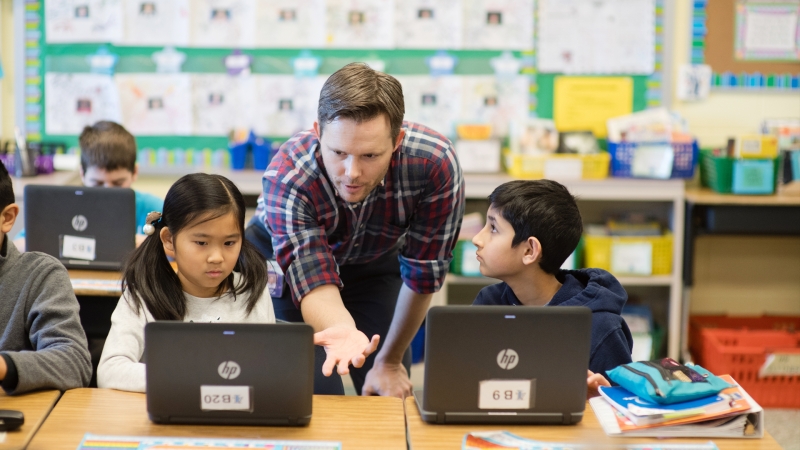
505, 394
77, 247
225, 398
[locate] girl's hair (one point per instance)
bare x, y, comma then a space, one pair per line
193, 199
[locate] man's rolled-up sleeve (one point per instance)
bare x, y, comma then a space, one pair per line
434, 228
300, 243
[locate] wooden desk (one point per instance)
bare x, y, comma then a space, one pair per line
423, 436
101, 276
357, 422
35, 406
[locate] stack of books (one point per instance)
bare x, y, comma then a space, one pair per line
731, 413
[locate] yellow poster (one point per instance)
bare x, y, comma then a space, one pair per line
585, 103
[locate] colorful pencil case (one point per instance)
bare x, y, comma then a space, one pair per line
666, 381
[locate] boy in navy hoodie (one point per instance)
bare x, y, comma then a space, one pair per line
531, 229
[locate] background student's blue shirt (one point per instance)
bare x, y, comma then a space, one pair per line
599, 291
144, 204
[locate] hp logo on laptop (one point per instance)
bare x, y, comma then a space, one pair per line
79, 222
507, 359
229, 370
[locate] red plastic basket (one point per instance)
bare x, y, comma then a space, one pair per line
698, 322
742, 352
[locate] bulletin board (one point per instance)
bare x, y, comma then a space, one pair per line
713, 43
42, 57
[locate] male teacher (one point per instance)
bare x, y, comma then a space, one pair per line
363, 212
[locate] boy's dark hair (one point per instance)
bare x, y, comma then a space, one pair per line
543, 209
193, 199
360, 93
107, 145
6, 188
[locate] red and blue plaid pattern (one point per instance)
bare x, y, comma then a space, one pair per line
417, 210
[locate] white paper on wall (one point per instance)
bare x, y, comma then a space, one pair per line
73, 101
498, 24
360, 23
221, 103
156, 104
434, 24
599, 36
290, 24
156, 22
432, 101
83, 21
493, 100
223, 23
285, 104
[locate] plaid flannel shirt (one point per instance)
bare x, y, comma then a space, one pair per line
417, 210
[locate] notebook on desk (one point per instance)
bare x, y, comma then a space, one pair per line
505, 365
225, 374
85, 228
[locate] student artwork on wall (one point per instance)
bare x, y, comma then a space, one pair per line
432, 101
498, 24
597, 37
76, 100
290, 23
223, 23
156, 104
221, 103
433, 24
493, 100
156, 22
83, 21
285, 104
768, 31
359, 24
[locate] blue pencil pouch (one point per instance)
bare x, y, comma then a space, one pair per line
666, 381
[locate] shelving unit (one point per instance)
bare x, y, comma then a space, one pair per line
613, 190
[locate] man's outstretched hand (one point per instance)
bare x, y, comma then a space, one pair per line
344, 346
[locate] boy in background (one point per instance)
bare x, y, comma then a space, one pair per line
42, 344
108, 159
531, 229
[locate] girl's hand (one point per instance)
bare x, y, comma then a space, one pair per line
344, 346
594, 381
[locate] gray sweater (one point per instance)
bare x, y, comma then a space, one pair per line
40, 329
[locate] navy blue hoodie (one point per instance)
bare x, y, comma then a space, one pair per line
599, 291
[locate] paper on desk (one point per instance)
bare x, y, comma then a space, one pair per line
83, 20
285, 104
92, 442
156, 22
434, 101
290, 23
493, 100
586, 103
359, 24
434, 24
221, 103
156, 104
600, 36
90, 284
223, 23
2, 436
73, 101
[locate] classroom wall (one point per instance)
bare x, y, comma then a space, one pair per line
724, 114
7, 83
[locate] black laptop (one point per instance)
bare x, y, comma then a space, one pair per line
85, 228
229, 374
505, 364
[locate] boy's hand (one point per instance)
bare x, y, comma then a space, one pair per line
344, 346
594, 381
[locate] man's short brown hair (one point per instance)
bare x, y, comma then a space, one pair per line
108, 146
360, 93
